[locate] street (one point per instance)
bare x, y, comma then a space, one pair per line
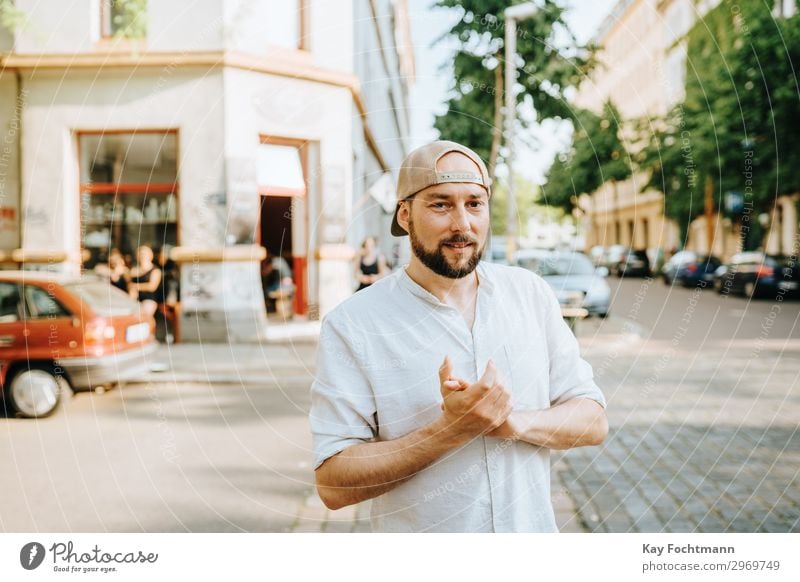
703, 407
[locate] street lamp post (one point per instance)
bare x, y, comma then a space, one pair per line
512, 15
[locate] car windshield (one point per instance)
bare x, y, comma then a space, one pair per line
558, 265
104, 299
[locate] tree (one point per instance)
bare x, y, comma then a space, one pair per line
597, 155
735, 127
550, 61
10, 17
526, 194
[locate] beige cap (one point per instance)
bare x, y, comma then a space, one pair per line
418, 171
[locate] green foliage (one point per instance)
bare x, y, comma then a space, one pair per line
597, 155
550, 61
739, 114
129, 18
10, 17
526, 194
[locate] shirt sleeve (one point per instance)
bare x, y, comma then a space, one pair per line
570, 375
343, 411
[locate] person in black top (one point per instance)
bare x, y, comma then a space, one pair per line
146, 281
371, 264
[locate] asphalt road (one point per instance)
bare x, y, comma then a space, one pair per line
168, 456
697, 317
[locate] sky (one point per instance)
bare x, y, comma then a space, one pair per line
429, 94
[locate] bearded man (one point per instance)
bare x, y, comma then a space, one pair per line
441, 389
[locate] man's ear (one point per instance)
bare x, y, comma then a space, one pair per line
403, 214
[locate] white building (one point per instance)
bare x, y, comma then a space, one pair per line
222, 128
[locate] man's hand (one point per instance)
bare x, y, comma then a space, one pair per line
474, 409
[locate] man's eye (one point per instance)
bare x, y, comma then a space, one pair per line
440, 205
476, 203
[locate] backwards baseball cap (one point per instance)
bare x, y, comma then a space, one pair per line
418, 171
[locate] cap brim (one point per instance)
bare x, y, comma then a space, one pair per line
397, 230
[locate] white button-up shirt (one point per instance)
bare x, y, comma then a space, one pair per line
377, 378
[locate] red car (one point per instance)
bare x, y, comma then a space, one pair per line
59, 331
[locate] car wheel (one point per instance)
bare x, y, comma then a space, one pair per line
34, 392
750, 290
602, 315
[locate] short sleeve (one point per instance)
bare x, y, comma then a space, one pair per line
343, 411
570, 375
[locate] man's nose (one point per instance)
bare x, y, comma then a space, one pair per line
460, 219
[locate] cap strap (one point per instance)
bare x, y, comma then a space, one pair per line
442, 177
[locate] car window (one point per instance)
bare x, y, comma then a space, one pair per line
559, 265
104, 298
9, 303
42, 304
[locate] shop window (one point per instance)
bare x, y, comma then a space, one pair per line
123, 18
129, 192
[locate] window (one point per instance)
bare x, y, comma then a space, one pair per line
42, 304
129, 192
286, 24
123, 18
9, 303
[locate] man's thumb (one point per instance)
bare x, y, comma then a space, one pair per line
490, 374
445, 370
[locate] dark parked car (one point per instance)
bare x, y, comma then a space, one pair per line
754, 274
632, 264
66, 332
689, 269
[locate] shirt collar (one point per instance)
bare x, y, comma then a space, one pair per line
485, 285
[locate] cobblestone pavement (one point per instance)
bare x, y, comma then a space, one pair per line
699, 442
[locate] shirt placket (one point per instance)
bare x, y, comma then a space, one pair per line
474, 341
480, 343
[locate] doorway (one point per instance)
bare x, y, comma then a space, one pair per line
275, 235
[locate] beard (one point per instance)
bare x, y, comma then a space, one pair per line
437, 261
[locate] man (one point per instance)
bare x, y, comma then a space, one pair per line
441, 388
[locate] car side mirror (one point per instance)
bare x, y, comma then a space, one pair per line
601, 271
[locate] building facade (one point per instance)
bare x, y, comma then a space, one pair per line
643, 71
222, 130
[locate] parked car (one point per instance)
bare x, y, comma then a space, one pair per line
632, 263
754, 274
612, 256
572, 276
597, 254
62, 332
689, 269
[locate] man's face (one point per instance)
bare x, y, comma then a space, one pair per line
448, 224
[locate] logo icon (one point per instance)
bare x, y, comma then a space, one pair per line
31, 555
